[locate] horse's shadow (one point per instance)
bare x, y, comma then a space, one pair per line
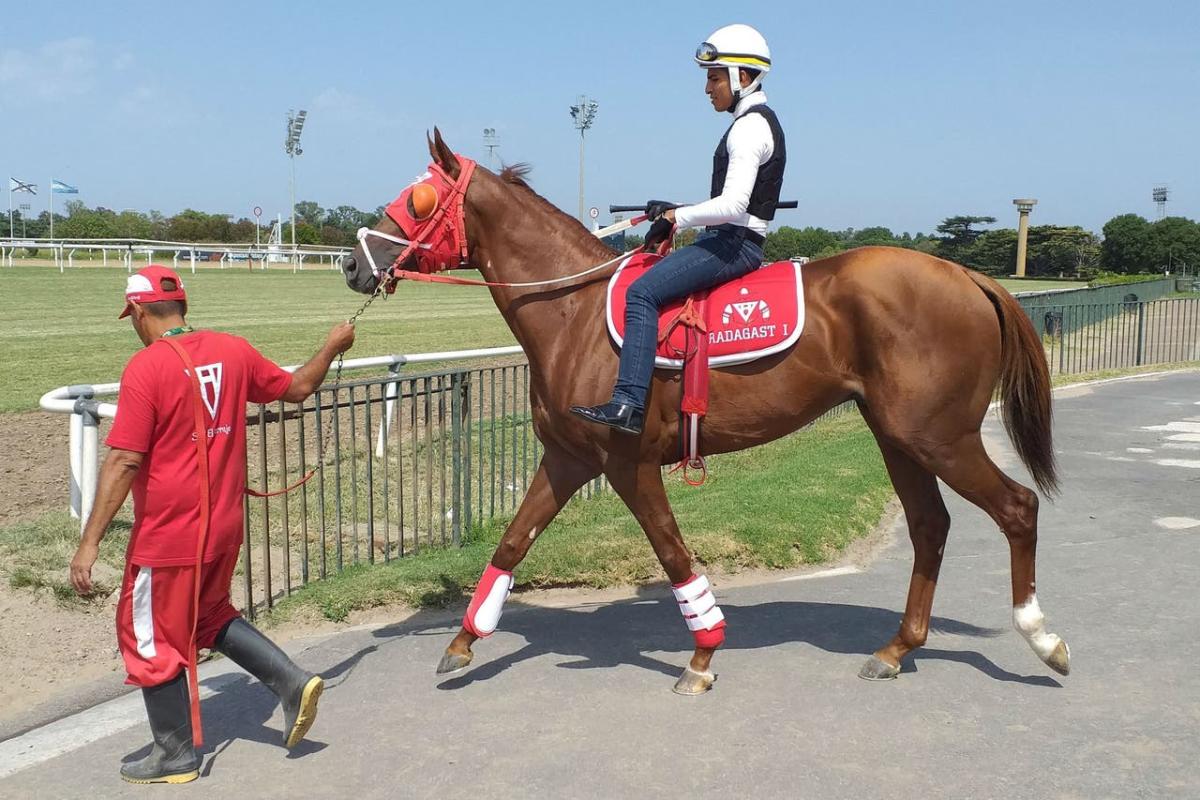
629, 632
241, 707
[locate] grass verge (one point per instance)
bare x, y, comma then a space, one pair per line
797, 501
37, 555
1066, 379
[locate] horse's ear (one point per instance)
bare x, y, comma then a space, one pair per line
443, 156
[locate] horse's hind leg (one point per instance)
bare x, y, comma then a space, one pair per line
641, 487
966, 468
558, 477
928, 524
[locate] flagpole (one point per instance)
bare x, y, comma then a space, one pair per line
11, 233
52, 211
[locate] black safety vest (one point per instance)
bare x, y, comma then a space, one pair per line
769, 182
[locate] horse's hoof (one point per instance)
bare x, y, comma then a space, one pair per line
1059, 659
453, 662
692, 683
876, 669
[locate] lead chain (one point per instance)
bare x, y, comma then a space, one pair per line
380, 288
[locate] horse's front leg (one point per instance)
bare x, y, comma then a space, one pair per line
641, 487
558, 477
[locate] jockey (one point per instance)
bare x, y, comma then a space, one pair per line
746, 180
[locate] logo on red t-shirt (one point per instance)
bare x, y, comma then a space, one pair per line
210, 386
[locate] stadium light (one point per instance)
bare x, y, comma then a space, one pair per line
491, 141
584, 114
1161, 194
291, 145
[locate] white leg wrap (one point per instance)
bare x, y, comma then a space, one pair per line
697, 604
1031, 623
487, 604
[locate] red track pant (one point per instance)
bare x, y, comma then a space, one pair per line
154, 616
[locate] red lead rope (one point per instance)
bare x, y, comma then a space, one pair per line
201, 434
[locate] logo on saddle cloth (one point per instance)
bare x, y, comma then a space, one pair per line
748, 318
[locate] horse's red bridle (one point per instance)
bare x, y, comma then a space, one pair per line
437, 242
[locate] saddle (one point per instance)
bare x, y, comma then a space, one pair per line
757, 315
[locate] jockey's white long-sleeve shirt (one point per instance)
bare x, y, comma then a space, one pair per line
749, 144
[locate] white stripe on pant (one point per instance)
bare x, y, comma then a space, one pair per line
143, 613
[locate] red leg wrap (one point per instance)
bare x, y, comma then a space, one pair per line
487, 603
712, 638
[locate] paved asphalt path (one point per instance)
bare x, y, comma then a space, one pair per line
575, 701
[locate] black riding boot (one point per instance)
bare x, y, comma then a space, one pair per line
297, 690
172, 758
622, 416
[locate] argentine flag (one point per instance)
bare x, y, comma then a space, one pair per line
58, 187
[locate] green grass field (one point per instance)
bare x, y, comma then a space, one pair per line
57, 329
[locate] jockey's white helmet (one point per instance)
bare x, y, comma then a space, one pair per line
735, 47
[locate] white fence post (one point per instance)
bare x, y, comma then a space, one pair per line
89, 464
75, 451
389, 408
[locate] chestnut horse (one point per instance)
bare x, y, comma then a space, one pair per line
920, 344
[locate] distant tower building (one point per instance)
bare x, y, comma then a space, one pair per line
1024, 206
1160, 195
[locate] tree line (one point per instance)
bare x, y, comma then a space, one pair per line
314, 225
1129, 243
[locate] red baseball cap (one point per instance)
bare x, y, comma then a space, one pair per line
150, 285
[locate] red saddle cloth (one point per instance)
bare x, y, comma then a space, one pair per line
751, 317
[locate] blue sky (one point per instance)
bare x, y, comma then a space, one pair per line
896, 114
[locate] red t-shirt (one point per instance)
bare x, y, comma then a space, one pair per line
155, 416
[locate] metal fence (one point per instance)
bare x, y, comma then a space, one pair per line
401, 464
1088, 337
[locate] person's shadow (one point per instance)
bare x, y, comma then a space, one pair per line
241, 707
627, 632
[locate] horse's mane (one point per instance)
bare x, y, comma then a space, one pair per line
514, 175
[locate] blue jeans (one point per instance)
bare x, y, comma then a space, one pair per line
716, 257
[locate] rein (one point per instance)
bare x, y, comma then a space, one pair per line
422, 277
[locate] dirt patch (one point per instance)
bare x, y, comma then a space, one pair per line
45, 649
34, 473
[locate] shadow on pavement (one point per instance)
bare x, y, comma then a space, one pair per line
627, 632
241, 707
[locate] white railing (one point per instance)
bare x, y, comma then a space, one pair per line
80, 401
130, 250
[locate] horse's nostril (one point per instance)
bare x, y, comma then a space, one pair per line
348, 265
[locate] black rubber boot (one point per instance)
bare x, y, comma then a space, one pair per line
623, 417
297, 689
172, 758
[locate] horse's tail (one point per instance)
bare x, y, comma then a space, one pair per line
1024, 386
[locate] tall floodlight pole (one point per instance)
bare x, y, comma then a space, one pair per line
24, 214
1024, 206
584, 114
1160, 195
295, 125
490, 141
